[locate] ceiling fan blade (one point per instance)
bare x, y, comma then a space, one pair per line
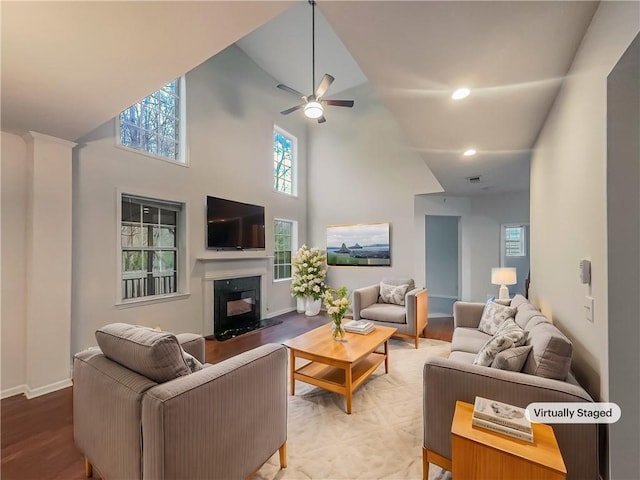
339, 103
326, 81
282, 86
322, 119
292, 109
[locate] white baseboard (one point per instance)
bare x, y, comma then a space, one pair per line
281, 312
52, 387
10, 392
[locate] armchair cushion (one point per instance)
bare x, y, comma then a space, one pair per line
156, 355
385, 312
392, 293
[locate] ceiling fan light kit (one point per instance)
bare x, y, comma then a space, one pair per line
313, 105
313, 110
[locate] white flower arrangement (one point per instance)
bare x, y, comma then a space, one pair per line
309, 273
337, 303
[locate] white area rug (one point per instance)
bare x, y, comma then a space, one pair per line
381, 439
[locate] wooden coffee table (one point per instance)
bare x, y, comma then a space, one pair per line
339, 367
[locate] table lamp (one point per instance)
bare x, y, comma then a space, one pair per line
503, 277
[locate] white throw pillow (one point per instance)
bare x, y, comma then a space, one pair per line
508, 335
493, 316
392, 293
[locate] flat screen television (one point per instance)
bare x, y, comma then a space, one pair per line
234, 225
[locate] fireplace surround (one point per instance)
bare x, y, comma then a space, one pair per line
236, 306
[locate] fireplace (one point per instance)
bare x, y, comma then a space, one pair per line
236, 306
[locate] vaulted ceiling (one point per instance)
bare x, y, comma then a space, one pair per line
67, 67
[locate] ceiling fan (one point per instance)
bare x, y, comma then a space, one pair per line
313, 104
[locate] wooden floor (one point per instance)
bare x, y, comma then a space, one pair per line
37, 434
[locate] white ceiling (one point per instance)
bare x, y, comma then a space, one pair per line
67, 67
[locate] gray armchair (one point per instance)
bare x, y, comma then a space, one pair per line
410, 319
141, 413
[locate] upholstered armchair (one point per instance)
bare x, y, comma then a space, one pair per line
145, 410
394, 302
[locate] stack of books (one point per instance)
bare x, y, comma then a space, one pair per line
359, 326
502, 418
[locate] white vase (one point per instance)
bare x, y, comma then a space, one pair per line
313, 307
301, 304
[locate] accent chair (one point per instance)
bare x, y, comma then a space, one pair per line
394, 302
144, 409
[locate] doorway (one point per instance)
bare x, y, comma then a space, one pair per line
442, 263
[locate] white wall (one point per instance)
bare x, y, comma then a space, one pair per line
232, 106
36, 267
568, 195
13, 232
362, 170
480, 219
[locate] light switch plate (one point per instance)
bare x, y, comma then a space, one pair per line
588, 308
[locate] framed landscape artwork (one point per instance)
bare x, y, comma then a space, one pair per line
362, 245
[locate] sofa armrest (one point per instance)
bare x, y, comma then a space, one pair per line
446, 381
467, 314
193, 344
223, 421
363, 298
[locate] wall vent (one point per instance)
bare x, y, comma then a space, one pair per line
474, 179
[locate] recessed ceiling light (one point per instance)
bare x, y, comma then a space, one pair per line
460, 93
469, 153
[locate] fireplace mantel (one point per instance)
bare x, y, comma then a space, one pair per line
243, 267
216, 256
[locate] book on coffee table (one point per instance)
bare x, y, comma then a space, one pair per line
359, 326
501, 414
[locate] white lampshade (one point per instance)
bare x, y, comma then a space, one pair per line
503, 277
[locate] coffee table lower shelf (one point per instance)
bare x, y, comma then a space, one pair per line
335, 379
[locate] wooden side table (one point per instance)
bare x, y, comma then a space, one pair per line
479, 454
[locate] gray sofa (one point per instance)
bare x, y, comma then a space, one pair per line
142, 409
545, 377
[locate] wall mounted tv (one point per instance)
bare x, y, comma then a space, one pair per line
234, 225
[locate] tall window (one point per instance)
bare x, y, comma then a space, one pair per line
155, 124
514, 241
284, 240
284, 161
149, 243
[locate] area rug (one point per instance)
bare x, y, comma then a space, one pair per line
381, 439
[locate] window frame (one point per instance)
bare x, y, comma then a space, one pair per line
183, 156
181, 249
522, 241
293, 246
294, 160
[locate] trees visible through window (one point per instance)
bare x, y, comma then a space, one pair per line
149, 243
284, 161
154, 124
514, 241
284, 233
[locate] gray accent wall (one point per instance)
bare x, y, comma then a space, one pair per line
623, 255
